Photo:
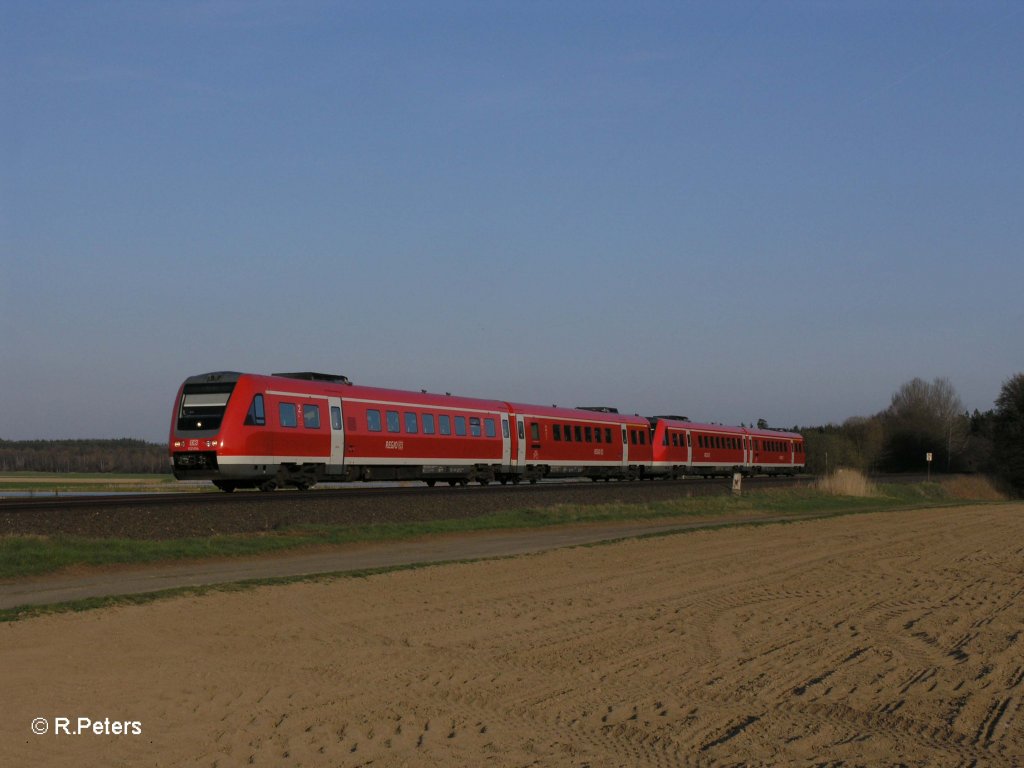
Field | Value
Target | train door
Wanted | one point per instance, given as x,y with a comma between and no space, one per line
337,461
625,448
521,434
506,442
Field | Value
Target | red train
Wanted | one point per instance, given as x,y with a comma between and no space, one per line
243,430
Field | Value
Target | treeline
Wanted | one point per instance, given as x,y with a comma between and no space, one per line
928,417
120,456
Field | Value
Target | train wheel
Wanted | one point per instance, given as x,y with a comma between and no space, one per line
268,485
225,485
430,483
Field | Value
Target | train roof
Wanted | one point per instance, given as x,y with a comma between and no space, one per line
724,428
334,378
602,415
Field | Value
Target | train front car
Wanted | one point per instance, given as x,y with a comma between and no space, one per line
243,430
199,413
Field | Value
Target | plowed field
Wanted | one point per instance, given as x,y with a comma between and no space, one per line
874,639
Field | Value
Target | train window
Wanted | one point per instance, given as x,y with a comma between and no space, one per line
535,432
588,434
688,443
335,417
412,423
568,433
504,428
597,434
445,424
428,423
256,417
394,423
489,428
579,433
460,426
556,432
623,435
289,414
608,434
311,416
474,426
373,420
664,439
675,440
522,434
632,436
643,438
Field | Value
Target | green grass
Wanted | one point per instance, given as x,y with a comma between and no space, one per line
34,555
99,482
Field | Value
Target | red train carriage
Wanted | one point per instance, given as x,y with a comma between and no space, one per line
683,447
719,450
245,430
598,443
776,452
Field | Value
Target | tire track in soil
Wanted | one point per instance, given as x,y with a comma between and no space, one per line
876,639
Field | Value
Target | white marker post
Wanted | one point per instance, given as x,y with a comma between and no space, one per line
928,458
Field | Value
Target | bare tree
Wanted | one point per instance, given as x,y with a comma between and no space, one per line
925,418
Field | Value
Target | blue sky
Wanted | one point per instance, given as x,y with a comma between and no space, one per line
733,211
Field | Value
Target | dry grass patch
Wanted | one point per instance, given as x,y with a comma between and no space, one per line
972,488
847,482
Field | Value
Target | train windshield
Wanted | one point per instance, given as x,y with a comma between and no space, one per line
203,405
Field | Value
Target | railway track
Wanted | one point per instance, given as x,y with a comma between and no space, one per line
166,516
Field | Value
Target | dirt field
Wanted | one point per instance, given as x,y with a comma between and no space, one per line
867,640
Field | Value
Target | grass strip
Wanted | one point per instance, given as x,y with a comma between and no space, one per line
22,556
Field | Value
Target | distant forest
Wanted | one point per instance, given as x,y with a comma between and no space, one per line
120,456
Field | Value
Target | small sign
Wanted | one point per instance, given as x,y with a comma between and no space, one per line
928,457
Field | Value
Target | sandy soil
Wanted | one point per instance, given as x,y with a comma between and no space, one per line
867,640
